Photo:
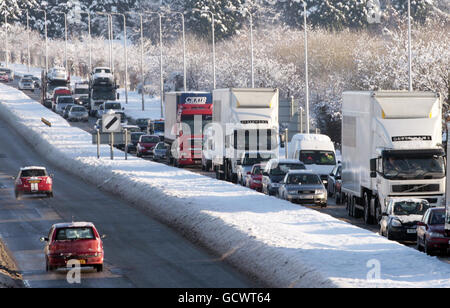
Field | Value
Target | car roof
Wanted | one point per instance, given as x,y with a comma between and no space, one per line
285,160
73,225
408,200
32,168
301,172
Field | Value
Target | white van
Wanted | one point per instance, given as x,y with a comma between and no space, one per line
316,152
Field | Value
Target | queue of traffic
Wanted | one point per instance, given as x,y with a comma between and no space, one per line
392,169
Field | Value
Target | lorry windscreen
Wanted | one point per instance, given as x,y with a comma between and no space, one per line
103,94
413,167
318,158
190,120
158,127
253,159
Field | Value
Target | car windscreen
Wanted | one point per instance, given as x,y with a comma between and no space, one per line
161,146
251,159
26,80
150,139
257,170
317,157
142,121
81,91
33,173
304,179
70,234
65,100
113,106
405,208
283,168
135,137
78,109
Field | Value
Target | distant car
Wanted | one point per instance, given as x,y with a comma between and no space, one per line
142,123
4,77
275,171
84,101
26,83
160,152
58,74
57,92
134,141
399,222
8,72
33,181
78,113
246,162
254,179
66,110
431,234
79,241
146,144
335,184
62,102
303,187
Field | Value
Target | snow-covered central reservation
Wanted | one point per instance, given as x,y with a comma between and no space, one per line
282,244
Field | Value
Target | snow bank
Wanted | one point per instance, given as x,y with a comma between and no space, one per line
280,243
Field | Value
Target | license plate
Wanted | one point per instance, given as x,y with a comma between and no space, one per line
82,262
411,231
308,196
34,182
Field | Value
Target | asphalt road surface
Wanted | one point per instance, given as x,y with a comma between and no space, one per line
139,251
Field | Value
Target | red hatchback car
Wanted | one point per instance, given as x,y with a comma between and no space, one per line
78,241
146,144
431,234
33,181
254,178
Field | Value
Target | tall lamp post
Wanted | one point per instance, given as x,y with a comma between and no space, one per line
410,86
125,51
160,60
184,47
306,68
65,39
109,37
90,38
6,40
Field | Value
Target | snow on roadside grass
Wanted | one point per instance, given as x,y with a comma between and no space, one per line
283,244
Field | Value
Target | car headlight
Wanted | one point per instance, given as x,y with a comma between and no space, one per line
320,191
396,223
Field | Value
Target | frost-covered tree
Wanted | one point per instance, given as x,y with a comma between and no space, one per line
15,8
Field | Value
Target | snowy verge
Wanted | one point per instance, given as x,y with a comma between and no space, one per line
280,243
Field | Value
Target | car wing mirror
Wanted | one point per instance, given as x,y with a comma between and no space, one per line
103,236
52,175
43,239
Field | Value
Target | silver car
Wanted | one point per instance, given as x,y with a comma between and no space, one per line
78,113
26,83
303,187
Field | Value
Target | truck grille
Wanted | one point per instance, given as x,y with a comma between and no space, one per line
415,188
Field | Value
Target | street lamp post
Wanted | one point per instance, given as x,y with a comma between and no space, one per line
306,68
160,60
28,41
125,51
6,40
251,44
90,39
410,86
65,39
184,48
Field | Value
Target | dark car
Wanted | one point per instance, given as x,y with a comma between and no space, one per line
399,222
134,141
431,234
275,171
142,123
335,183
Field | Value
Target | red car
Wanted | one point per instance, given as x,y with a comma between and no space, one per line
78,241
431,234
146,144
4,77
254,178
33,181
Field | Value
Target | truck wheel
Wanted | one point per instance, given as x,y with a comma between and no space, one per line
377,210
367,216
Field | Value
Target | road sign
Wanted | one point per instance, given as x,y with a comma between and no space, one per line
111,123
119,138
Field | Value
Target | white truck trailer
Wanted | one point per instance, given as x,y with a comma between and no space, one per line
391,147
244,120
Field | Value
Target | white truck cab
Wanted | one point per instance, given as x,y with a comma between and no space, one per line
316,152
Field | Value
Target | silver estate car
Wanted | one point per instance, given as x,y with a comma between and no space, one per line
303,187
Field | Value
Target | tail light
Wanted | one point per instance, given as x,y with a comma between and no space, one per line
19,182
